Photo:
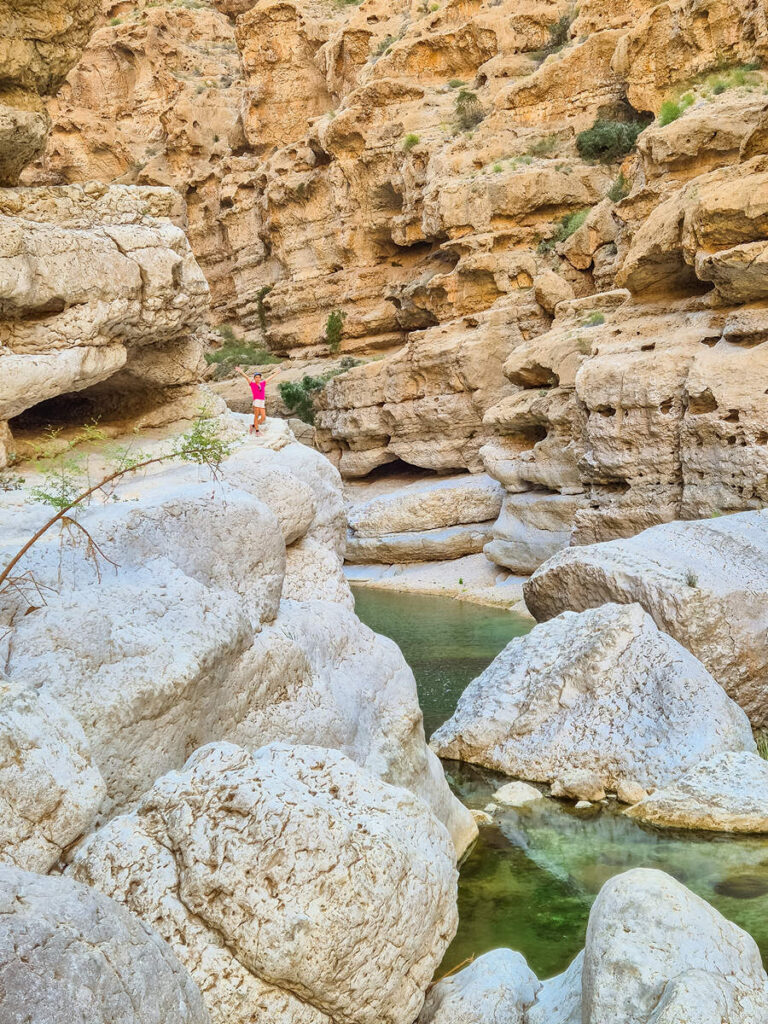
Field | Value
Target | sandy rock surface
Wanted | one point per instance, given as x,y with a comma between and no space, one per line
305,844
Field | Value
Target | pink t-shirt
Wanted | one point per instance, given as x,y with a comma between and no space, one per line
258,388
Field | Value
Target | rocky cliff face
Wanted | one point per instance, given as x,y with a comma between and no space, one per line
101,300
584,319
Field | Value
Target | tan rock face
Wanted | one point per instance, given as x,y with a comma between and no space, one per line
101,298
417,171
40,42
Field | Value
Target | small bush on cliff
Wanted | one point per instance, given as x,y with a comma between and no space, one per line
236,352
761,739
469,111
608,141
672,109
384,45
300,395
619,189
410,140
564,228
334,328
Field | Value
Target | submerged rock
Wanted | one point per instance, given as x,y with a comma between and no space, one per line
603,693
516,794
291,883
704,583
69,954
724,793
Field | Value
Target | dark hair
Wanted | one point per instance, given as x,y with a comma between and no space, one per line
258,375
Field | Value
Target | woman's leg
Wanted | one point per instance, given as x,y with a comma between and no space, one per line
255,427
262,416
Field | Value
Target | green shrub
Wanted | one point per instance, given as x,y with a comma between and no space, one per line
670,111
334,328
497,168
115,21
469,111
410,140
261,311
570,223
691,579
542,147
719,87
384,45
236,352
558,31
456,83
299,396
761,739
619,189
608,141
593,320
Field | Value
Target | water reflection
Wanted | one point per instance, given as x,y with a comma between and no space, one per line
531,878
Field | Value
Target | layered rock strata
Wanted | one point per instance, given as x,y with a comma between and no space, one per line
424,521
592,321
101,300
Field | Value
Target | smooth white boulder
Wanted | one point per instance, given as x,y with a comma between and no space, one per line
419,545
69,954
654,954
50,789
645,931
516,794
705,583
602,692
497,988
724,793
322,883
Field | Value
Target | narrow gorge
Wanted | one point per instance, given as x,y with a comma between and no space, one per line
440,694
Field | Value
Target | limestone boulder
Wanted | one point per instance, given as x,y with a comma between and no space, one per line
655,954
50,789
68,953
331,896
727,792
592,701
497,988
173,644
645,931
702,583
532,527
420,546
445,502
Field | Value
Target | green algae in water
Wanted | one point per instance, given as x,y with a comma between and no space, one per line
446,642
530,880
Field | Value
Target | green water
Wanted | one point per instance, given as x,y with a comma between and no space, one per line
530,879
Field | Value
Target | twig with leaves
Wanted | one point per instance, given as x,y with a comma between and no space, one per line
65,491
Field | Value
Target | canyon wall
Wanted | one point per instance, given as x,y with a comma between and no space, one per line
583,319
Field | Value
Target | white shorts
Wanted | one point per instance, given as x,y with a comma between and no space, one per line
259,403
